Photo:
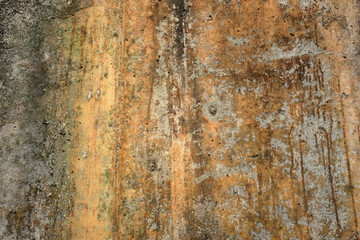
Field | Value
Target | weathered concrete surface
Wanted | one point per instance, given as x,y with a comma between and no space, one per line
179,119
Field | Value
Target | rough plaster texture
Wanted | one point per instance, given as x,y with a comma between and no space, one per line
179,119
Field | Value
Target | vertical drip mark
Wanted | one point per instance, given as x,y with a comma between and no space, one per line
259,200
72,40
115,161
316,142
323,154
319,147
115,187
119,135
348,162
155,201
293,192
96,169
358,132
319,75
179,139
274,198
81,76
333,198
318,108
308,78
89,170
180,13
306,208
69,65
82,44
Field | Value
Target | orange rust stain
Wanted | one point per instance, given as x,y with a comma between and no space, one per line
213,120
92,149
178,190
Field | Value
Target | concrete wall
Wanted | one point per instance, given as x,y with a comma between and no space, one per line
179,119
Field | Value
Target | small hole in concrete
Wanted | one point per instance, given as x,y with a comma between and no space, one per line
212,110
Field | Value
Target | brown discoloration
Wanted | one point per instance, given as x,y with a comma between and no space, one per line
209,99
92,48
208,119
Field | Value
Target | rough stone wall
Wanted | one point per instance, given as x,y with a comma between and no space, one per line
179,119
